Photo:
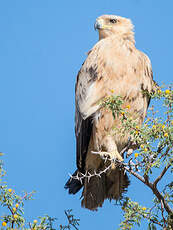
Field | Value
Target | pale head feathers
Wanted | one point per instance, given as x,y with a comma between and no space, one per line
112,25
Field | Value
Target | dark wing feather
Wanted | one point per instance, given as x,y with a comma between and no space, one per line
83,135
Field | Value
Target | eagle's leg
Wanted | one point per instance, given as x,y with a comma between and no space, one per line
111,152
111,148
112,156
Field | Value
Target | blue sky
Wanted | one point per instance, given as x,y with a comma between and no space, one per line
42,46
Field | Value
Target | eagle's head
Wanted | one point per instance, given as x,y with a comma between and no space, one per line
108,25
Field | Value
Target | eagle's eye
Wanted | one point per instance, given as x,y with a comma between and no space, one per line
113,20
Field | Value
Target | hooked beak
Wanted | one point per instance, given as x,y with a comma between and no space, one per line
99,24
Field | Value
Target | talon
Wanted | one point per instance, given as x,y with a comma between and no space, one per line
115,155
112,156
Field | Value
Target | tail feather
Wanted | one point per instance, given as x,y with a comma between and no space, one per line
94,192
111,185
116,184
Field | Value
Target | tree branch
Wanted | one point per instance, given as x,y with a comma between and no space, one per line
139,177
161,175
161,199
146,181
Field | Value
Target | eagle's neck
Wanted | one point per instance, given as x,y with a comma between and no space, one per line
128,36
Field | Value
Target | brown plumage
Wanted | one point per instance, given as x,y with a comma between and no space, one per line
113,64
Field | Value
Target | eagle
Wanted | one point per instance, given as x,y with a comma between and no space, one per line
112,65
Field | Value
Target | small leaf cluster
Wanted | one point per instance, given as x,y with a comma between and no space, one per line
133,214
13,206
113,103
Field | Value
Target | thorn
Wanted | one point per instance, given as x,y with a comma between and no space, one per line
95,152
70,175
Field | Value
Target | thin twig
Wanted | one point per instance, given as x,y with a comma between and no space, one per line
135,174
166,152
156,222
152,220
162,208
88,175
69,220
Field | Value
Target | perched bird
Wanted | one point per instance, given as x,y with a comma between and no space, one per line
113,64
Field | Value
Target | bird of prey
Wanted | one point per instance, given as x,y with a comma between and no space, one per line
113,64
